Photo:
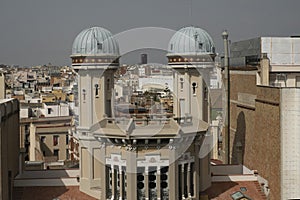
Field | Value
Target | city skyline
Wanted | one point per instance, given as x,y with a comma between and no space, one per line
41,32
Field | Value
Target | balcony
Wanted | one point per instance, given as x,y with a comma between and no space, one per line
148,125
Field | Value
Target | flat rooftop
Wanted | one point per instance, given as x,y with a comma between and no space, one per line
160,127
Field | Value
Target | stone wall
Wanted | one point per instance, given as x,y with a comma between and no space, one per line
255,128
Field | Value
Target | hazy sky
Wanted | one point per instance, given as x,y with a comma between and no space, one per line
35,32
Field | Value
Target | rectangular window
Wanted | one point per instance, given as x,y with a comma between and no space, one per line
49,111
179,181
56,153
124,185
140,178
108,179
67,139
192,179
115,180
164,188
297,81
55,140
99,46
43,139
67,154
185,175
181,84
200,45
152,185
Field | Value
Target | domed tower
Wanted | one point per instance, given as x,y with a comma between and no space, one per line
147,156
95,57
191,53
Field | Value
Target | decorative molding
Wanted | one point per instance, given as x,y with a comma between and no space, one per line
186,158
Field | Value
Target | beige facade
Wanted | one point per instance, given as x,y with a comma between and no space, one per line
147,156
137,159
46,139
48,98
9,145
140,165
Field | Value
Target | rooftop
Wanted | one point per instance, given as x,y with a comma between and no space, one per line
50,193
149,126
225,190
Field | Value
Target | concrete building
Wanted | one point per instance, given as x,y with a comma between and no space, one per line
264,124
46,140
9,146
278,59
143,157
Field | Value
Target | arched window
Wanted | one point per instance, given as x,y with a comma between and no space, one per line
181,83
194,85
96,90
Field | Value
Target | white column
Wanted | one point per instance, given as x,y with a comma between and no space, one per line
113,182
188,91
182,181
158,182
146,176
121,182
189,180
32,139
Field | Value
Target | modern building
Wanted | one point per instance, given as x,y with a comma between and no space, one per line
264,110
9,145
143,157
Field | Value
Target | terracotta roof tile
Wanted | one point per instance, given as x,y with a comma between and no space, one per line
49,193
223,190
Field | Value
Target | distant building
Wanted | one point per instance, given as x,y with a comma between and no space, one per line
277,59
2,86
47,134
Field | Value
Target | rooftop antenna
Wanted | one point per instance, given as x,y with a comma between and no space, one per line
98,43
191,12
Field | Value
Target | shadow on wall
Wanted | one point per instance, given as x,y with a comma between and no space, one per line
238,147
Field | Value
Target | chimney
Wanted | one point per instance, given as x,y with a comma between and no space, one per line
143,58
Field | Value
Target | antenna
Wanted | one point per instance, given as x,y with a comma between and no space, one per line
99,45
191,11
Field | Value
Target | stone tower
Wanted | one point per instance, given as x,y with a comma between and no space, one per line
191,55
95,57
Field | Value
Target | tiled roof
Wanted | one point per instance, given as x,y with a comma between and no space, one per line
50,193
224,190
